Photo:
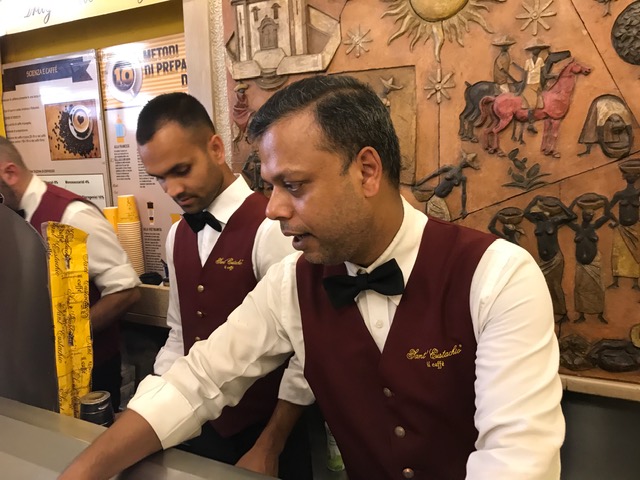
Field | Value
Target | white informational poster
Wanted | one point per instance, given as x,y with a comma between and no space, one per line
90,187
53,115
133,74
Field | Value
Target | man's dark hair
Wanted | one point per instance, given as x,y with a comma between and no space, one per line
349,113
181,108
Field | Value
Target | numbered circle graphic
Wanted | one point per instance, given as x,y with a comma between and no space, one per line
124,78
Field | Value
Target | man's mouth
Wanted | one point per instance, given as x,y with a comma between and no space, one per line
186,201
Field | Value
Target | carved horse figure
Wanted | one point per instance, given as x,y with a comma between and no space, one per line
473,93
471,113
504,108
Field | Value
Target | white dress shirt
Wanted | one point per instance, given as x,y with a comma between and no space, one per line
518,390
270,247
109,267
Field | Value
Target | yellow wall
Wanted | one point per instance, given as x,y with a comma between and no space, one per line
97,32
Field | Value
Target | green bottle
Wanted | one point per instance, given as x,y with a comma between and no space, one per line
334,457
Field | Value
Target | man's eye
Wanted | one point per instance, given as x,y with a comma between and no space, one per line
293,186
183,171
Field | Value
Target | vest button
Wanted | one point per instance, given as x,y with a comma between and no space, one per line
200,288
399,431
197,339
387,392
199,314
408,473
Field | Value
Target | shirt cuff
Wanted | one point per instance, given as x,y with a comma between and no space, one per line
295,389
116,279
166,410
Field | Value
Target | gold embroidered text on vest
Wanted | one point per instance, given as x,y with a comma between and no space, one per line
229,263
434,354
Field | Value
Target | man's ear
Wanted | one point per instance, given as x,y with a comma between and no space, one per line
9,173
370,165
215,146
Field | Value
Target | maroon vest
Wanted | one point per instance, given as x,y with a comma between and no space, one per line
412,405
54,202
209,294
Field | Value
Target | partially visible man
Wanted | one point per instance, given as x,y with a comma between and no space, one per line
430,347
216,256
113,282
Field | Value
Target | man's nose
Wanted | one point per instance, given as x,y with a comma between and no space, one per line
173,187
279,206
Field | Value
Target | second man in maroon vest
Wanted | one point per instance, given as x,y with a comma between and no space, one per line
216,255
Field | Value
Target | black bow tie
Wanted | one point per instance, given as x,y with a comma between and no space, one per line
387,279
21,212
197,221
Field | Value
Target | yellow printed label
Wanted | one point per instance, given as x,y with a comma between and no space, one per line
69,284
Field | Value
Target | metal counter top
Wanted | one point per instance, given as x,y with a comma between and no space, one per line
36,443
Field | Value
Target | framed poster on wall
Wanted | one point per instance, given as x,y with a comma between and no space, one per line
53,115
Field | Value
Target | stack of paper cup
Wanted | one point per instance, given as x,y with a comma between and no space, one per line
130,231
112,215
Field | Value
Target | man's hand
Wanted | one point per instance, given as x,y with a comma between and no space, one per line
127,441
260,460
263,456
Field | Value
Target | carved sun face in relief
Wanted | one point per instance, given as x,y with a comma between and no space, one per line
425,19
435,10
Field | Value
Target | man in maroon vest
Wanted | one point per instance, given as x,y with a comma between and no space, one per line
216,255
113,282
429,347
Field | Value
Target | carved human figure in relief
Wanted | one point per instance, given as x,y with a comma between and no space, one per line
241,114
548,214
625,253
452,176
588,286
502,64
533,66
510,219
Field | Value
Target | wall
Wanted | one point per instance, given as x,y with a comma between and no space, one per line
432,63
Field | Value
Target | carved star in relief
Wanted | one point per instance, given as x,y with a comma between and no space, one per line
357,41
535,15
388,84
438,86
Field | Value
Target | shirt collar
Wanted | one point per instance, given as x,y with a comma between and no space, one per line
229,200
32,196
404,246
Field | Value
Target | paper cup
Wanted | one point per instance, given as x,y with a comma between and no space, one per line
127,209
112,215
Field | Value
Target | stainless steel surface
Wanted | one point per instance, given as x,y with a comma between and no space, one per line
36,443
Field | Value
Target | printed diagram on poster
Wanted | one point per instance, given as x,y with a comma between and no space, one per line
53,115
132,74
